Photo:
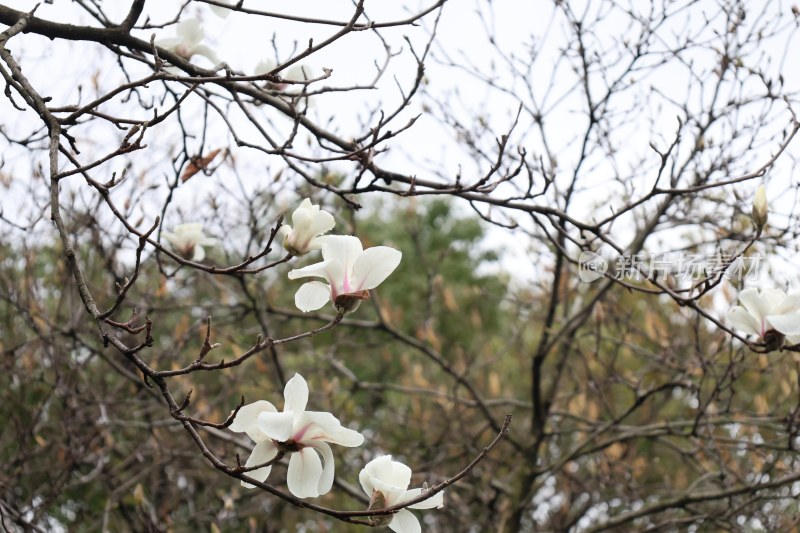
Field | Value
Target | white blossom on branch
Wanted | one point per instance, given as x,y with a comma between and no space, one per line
188,240
302,434
386,483
187,41
767,311
350,271
309,223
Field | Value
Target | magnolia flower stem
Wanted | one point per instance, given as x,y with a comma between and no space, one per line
244,469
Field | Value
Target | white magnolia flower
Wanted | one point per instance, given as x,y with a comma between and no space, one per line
386,483
303,434
188,240
309,223
350,270
186,43
770,309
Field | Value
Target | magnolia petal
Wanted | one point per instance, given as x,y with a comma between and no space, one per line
263,452
264,67
742,320
314,244
312,296
190,32
207,52
343,249
392,494
373,469
396,474
366,482
246,420
788,324
760,304
322,222
373,266
789,304
309,222
305,472
189,228
751,301
295,394
276,426
199,253
319,270
284,232
171,238
302,217
404,521
207,241
792,339
331,270
305,205
169,43
435,501
328,468
326,427
773,296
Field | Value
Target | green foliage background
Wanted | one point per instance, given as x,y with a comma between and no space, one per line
646,398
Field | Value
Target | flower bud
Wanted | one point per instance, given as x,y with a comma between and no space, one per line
760,212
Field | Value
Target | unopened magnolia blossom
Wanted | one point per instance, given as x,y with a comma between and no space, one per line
760,212
386,483
303,434
350,271
767,310
309,223
188,240
186,43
